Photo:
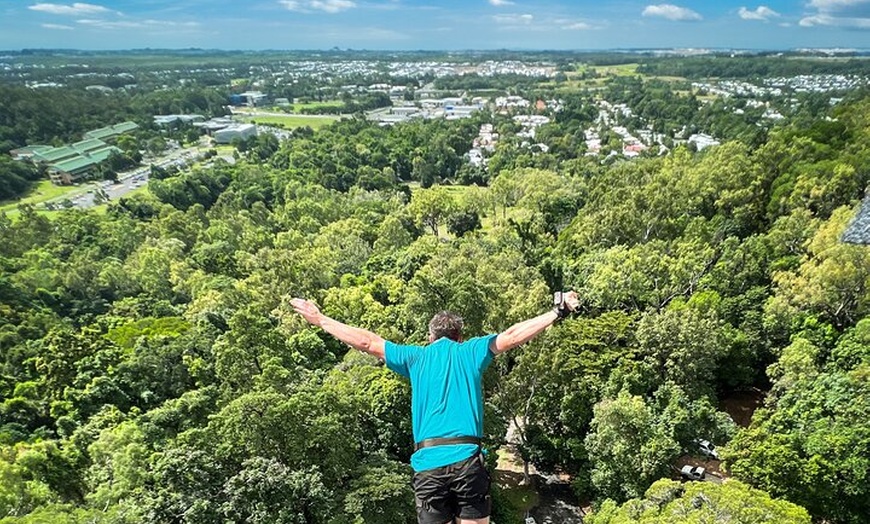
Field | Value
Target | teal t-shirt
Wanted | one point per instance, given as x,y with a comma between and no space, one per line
446,394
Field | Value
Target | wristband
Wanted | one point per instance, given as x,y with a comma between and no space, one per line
561,312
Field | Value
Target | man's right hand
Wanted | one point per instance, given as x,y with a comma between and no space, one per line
522,332
308,310
571,300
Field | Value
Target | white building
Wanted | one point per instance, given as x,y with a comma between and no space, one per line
455,112
254,98
230,133
504,102
404,110
703,141
164,120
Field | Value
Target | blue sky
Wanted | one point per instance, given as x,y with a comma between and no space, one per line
433,24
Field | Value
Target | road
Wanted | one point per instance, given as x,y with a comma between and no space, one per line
127,181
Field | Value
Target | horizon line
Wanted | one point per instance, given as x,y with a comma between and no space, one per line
337,49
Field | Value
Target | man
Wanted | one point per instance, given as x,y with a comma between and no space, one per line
450,480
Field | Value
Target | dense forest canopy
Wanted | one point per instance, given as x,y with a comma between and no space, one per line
152,369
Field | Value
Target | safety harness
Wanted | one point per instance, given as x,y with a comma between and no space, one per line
431,442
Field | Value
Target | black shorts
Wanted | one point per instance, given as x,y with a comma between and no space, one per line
456,490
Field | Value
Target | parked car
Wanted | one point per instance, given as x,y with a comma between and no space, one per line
707,448
690,472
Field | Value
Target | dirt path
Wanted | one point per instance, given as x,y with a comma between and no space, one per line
742,404
557,503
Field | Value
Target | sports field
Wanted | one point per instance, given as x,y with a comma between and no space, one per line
291,121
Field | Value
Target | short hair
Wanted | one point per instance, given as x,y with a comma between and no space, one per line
446,324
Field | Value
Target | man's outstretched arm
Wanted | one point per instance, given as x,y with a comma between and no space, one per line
522,332
357,338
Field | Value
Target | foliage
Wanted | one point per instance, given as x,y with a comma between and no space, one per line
151,369
627,446
668,501
807,444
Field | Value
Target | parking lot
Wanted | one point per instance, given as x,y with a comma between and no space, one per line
94,193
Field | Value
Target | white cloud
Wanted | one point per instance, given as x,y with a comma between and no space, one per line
58,26
579,26
328,6
835,21
852,14
762,13
836,5
130,24
76,9
672,12
513,19
500,3
332,6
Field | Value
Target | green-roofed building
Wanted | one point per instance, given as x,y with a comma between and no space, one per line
27,152
70,163
108,132
55,154
87,154
88,145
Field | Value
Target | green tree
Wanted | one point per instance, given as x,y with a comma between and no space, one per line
431,207
832,280
119,466
807,444
628,447
667,501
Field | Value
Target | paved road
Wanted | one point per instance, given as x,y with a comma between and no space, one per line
127,180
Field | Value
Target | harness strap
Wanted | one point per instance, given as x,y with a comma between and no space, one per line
430,442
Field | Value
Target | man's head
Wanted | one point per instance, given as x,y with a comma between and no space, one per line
445,324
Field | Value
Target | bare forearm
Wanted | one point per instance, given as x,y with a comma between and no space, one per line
524,331
358,338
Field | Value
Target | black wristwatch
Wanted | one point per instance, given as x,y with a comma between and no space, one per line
560,308
561,312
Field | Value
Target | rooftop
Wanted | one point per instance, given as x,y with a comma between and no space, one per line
36,148
88,145
85,160
110,131
55,153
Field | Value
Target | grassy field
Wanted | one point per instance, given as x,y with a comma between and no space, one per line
337,105
43,191
53,215
292,121
617,70
333,104
223,150
604,72
11,209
